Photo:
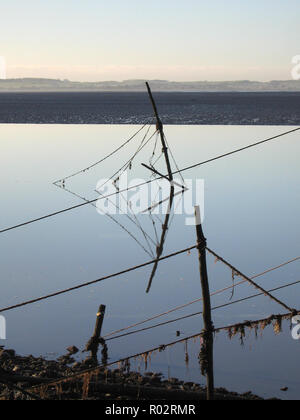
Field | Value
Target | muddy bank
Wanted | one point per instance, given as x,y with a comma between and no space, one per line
23,378
176,108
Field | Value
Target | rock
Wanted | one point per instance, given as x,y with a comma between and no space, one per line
284,389
72,350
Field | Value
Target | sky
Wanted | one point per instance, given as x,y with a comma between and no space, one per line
97,40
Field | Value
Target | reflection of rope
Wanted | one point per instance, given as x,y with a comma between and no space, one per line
103,159
131,235
175,163
199,313
200,299
116,221
154,150
276,268
129,162
152,218
176,208
154,228
182,251
153,164
137,224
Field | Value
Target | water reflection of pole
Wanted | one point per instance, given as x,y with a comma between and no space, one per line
206,354
159,127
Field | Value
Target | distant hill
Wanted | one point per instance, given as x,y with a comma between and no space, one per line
55,85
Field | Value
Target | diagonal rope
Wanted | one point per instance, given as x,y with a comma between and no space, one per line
109,276
240,274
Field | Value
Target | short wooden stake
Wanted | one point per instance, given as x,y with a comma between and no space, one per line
95,340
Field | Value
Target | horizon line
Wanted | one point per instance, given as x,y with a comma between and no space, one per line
151,80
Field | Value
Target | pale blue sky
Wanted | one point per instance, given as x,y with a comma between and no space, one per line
168,39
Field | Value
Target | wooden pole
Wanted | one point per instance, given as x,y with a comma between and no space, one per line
165,226
93,344
206,355
159,126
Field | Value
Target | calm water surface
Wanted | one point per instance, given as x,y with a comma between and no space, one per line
251,218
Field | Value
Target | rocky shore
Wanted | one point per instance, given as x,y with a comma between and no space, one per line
20,378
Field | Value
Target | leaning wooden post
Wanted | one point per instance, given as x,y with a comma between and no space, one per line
159,127
95,340
160,247
206,354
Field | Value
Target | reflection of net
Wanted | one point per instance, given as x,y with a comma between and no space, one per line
147,241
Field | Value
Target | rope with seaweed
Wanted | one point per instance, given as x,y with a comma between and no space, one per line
232,330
